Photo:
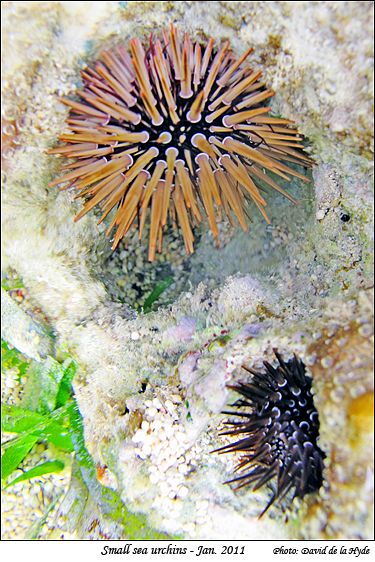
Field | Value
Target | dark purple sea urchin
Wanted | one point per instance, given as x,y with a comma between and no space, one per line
181,129
279,428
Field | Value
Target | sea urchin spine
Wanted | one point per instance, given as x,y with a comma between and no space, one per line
181,129
279,426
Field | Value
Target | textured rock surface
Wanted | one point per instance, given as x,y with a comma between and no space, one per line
151,387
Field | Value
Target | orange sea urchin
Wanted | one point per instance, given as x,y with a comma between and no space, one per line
181,128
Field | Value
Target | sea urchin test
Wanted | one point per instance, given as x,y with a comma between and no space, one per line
180,131
278,427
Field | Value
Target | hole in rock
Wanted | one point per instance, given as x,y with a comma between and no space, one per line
261,251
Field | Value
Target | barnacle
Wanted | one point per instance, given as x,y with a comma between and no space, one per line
180,131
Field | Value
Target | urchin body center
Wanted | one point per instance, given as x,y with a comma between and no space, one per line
180,135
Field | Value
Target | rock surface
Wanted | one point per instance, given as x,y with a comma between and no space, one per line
151,387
